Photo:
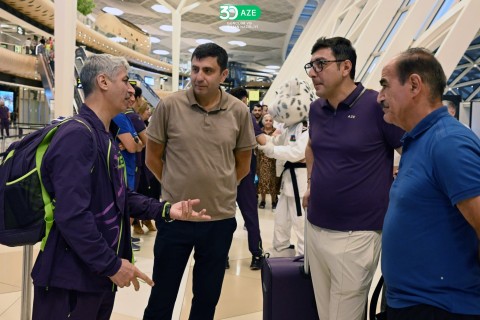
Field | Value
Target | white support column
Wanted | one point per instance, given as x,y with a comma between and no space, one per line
65,34
176,34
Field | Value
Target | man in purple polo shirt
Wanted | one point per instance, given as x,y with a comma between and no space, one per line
350,164
88,251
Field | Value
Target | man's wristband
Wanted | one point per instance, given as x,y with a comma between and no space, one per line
166,212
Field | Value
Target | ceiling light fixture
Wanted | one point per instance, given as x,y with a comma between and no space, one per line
237,43
229,29
272,67
114,11
161,52
203,41
154,40
166,27
160,8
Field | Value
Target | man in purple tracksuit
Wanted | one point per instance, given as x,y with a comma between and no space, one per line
88,252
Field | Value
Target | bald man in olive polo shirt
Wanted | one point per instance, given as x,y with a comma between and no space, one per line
200,144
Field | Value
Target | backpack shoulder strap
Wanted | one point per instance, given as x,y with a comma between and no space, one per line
47,199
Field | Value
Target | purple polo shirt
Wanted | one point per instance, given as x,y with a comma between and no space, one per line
353,158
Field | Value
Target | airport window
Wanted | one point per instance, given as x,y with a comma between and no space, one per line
386,39
446,5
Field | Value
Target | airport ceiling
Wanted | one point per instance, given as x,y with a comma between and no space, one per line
465,79
266,40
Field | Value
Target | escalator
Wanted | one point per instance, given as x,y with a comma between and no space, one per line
152,98
48,79
78,95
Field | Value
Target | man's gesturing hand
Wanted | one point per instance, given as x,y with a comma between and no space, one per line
182,210
127,274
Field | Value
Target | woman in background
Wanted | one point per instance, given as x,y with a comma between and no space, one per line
267,182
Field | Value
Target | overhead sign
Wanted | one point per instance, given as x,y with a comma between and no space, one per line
254,95
239,12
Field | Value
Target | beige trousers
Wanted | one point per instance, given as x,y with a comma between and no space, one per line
342,265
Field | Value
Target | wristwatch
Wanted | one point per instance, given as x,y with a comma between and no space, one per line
166,212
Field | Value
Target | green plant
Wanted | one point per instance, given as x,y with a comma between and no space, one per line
85,6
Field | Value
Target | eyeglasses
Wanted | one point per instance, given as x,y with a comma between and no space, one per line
319,65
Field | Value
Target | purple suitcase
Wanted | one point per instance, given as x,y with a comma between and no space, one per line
287,291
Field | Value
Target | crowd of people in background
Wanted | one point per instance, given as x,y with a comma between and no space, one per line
46,47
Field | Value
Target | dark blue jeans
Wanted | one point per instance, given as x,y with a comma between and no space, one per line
62,304
247,203
173,245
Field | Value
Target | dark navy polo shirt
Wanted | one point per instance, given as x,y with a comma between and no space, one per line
353,159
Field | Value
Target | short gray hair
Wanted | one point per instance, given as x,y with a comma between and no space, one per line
266,116
100,64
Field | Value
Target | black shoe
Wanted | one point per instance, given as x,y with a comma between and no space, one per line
227,264
262,205
257,262
274,205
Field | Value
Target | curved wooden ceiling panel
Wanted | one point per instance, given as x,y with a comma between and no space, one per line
42,11
20,65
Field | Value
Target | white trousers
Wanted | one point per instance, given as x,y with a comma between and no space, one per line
286,218
342,265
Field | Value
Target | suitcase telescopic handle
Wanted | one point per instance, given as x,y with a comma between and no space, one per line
306,267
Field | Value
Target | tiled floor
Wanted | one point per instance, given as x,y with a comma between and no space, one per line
241,297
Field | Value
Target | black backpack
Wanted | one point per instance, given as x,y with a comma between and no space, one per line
26,208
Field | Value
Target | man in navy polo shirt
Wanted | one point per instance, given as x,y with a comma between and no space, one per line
350,169
431,232
88,251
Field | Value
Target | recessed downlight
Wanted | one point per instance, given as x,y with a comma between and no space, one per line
114,11
166,27
154,40
237,43
160,8
161,52
203,41
229,29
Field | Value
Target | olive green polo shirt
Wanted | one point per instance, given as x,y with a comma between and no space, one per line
199,159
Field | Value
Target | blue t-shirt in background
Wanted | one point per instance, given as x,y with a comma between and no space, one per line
125,126
429,251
